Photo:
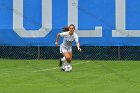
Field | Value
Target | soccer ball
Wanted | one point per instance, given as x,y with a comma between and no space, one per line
68,68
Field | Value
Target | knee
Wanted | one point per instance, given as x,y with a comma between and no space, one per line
68,59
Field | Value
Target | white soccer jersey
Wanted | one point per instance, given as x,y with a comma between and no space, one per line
68,39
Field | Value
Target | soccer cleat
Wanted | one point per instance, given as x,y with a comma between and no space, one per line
60,62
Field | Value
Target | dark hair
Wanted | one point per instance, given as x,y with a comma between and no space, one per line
72,25
65,29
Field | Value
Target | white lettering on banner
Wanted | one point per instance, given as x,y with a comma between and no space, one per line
121,22
73,19
18,20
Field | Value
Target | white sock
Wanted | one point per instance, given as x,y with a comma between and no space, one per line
63,59
65,64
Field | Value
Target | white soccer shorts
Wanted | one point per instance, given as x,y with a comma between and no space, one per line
62,49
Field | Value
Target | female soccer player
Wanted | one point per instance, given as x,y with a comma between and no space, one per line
66,46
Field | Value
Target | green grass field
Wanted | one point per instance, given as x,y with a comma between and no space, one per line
92,76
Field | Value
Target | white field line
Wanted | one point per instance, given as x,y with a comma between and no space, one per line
60,67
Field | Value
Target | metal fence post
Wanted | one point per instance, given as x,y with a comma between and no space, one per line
119,52
38,53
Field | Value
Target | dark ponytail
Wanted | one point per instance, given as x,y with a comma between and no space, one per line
65,29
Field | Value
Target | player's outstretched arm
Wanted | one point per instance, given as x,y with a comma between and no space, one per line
57,39
78,46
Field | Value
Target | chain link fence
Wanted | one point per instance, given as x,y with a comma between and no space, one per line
88,53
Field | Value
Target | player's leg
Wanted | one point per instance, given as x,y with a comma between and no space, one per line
68,59
63,59
67,56
70,53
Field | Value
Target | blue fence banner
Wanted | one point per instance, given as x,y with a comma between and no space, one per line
97,22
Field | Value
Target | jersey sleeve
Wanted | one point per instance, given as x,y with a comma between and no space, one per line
76,38
63,34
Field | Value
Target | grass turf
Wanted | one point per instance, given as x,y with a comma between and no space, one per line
25,76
